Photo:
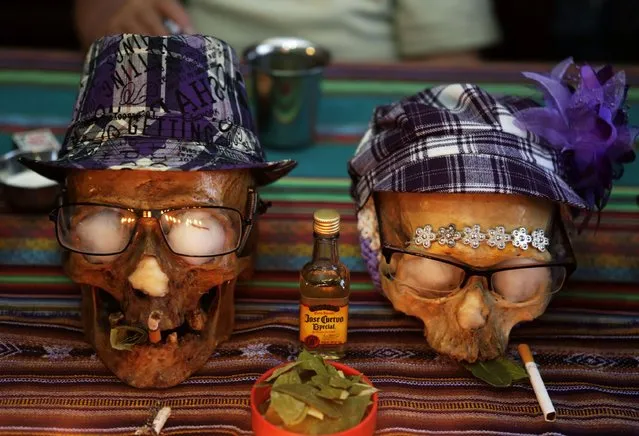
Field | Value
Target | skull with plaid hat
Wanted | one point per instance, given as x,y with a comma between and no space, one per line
463,206
161,166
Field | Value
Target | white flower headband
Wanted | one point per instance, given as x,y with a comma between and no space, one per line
473,236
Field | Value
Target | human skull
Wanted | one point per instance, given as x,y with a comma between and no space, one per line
470,323
190,299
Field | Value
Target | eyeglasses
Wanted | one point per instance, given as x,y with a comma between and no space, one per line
519,280
199,231
433,277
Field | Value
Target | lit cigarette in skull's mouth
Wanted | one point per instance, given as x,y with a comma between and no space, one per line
153,324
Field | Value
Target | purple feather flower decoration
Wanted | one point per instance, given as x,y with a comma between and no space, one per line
585,120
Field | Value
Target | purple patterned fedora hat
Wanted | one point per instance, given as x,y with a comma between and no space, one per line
162,103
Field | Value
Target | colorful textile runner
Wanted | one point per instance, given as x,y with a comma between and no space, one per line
52,383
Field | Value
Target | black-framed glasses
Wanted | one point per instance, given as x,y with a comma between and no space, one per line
195,231
434,277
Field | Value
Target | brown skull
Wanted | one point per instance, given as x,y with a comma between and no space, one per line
193,299
472,323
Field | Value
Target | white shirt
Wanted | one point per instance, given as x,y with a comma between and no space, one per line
353,30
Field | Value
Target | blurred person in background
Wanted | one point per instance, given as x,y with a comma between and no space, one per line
436,31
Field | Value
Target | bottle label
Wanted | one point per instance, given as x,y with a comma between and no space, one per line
323,324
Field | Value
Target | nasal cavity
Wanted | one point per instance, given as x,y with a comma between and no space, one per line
472,313
149,278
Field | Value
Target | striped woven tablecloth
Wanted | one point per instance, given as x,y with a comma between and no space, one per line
586,344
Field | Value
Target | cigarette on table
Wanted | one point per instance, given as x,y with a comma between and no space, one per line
537,383
155,428
160,419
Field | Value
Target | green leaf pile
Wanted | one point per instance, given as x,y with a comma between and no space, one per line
500,372
311,397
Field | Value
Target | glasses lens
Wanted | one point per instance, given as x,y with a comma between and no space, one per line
207,231
521,285
430,278
96,230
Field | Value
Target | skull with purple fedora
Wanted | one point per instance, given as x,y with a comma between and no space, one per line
464,199
160,167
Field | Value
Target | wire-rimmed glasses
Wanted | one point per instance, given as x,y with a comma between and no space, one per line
197,231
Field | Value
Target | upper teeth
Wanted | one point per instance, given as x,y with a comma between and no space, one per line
115,318
196,319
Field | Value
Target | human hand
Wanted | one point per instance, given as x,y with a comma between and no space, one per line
148,16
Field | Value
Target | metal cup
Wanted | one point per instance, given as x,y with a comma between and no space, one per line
285,91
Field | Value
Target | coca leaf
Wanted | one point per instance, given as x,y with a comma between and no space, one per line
340,382
355,378
332,371
308,394
319,380
354,409
289,377
282,370
331,393
498,372
311,362
125,337
517,372
290,410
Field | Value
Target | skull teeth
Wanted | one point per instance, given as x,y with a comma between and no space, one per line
153,323
196,320
115,318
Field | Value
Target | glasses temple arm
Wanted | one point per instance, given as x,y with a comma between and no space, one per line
255,206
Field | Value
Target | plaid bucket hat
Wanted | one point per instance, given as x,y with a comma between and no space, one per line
162,103
458,139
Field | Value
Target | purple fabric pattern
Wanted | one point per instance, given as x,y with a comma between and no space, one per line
585,120
459,139
173,103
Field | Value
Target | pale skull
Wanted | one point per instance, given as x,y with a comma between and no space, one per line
190,299
471,322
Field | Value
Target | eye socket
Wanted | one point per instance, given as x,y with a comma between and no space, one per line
525,284
521,285
429,278
100,231
202,231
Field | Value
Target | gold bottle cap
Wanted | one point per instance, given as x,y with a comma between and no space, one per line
326,221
